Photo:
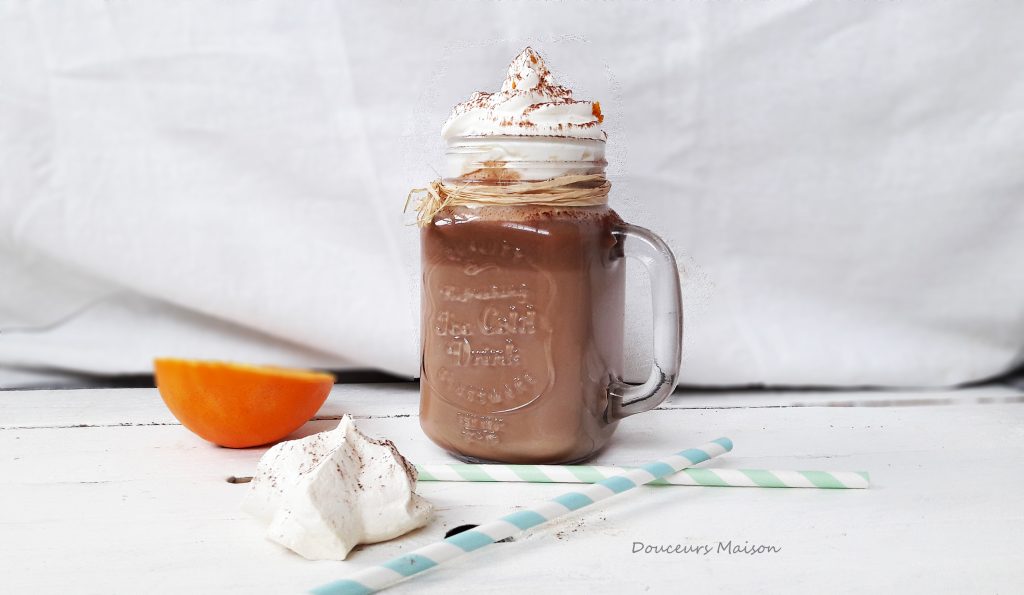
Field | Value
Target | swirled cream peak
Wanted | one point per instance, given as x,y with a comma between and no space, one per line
529,104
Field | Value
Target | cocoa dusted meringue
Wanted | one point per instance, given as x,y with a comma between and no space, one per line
530,121
324,494
529,104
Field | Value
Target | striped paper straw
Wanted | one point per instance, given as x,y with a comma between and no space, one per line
748,478
389,573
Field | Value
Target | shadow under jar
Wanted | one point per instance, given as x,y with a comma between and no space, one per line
522,320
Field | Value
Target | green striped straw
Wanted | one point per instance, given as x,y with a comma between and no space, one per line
379,577
749,478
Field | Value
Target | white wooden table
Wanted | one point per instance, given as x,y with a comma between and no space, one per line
101,491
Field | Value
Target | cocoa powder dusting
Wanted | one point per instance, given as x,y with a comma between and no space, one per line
527,75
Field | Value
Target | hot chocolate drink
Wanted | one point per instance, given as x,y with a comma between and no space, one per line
524,282
522,321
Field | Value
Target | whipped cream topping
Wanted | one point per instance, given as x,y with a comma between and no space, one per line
324,494
529,104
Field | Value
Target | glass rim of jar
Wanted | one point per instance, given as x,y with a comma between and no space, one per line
534,157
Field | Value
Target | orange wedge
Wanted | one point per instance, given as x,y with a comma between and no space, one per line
236,405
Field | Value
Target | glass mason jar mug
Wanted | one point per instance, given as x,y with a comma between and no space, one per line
523,308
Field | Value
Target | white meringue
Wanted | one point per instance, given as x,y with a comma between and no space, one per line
324,494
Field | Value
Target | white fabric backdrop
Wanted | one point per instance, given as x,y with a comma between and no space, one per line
841,181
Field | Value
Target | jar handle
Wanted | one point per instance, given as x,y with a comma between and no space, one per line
628,399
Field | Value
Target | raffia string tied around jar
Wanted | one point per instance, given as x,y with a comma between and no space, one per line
584,190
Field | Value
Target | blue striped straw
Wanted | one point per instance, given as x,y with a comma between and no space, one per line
746,478
375,578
